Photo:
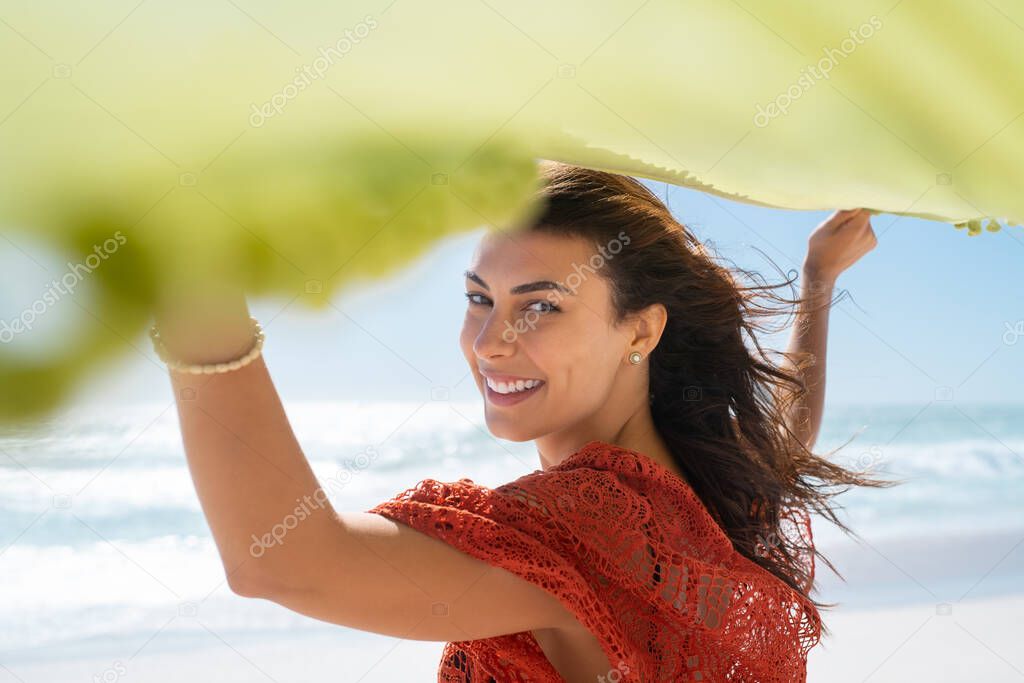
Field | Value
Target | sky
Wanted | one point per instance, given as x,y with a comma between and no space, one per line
929,314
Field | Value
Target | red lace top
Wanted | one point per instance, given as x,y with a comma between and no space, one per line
628,547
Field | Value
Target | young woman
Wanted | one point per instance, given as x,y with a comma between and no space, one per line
666,535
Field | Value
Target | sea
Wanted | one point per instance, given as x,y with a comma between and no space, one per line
104,550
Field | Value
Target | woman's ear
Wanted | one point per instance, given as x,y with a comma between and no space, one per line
648,325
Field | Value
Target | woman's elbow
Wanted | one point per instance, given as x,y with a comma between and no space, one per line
244,585
248,584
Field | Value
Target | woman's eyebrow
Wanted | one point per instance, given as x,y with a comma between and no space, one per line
523,289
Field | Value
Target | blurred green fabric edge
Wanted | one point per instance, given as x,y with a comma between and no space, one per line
301,148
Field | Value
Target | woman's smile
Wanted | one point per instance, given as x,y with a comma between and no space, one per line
509,394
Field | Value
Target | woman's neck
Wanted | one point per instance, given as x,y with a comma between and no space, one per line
637,433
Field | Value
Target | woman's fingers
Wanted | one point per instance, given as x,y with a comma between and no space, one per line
854,219
840,241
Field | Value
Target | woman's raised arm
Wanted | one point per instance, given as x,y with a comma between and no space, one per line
357,569
834,246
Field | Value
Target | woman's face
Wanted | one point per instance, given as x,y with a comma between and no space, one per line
538,309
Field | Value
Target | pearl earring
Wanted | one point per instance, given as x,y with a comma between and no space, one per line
635,357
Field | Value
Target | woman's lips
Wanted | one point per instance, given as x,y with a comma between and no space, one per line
513,398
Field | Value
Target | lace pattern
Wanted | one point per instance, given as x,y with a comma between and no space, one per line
630,550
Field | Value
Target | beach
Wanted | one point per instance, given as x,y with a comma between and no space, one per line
973,640
110,572
924,609
977,640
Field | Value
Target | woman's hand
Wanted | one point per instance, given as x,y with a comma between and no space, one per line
839,242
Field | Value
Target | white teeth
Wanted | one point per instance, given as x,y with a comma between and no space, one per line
512,387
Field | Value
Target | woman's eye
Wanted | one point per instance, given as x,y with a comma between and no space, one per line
550,306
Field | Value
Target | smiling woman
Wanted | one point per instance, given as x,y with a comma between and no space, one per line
665,537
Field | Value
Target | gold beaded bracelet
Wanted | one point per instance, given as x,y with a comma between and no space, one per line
211,368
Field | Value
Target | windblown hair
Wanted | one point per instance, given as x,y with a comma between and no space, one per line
723,407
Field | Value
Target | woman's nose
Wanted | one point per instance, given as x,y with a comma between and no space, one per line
496,337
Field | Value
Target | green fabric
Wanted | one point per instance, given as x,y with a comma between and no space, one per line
298,147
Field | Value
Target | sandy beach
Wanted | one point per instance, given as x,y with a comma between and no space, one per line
931,608
975,640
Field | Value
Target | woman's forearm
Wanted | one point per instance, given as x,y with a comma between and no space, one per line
246,464
809,338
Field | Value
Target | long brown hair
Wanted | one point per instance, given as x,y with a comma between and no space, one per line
719,404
